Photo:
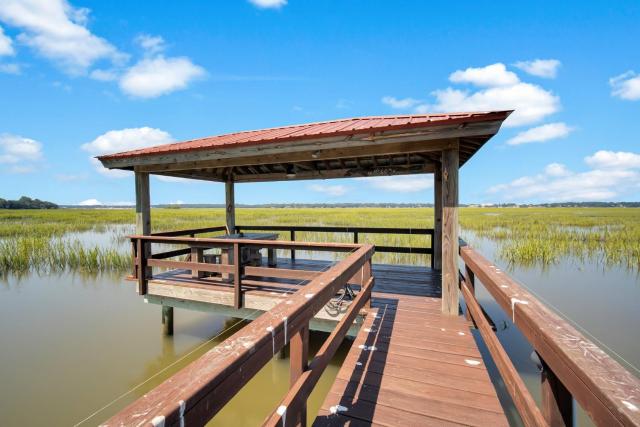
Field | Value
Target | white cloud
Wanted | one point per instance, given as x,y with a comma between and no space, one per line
58,31
330,190
626,86
531,102
268,4
10,68
491,75
556,169
6,44
613,176
90,202
403,103
123,140
547,68
177,202
19,154
400,183
541,133
613,160
500,89
152,77
151,44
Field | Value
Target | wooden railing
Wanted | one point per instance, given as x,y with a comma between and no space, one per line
572,366
355,231
196,393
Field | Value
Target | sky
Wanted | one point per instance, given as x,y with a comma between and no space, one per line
82,78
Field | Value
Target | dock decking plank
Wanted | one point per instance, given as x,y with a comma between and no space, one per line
410,365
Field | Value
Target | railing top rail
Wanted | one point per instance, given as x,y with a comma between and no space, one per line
276,244
340,229
189,231
200,389
603,387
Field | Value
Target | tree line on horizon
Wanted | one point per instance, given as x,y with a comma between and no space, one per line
26,203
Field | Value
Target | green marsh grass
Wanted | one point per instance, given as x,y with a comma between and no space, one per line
39,240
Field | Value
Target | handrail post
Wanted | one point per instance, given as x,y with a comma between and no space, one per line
355,237
557,402
470,279
134,258
293,239
366,275
298,363
142,266
237,276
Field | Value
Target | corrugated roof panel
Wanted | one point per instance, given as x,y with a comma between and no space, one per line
311,130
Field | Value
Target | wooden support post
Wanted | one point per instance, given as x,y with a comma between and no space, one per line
469,277
197,255
167,320
143,227
298,363
436,242
366,275
293,239
230,206
355,237
557,402
450,292
237,276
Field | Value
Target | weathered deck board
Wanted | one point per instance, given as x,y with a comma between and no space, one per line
410,365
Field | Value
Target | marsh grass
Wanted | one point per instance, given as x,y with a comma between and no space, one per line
35,240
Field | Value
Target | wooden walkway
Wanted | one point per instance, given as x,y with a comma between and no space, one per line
409,364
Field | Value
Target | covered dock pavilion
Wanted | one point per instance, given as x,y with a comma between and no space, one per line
414,360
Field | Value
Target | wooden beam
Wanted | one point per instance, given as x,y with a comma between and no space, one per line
557,402
337,173
437,218
230,206
450,293
143,225
347,152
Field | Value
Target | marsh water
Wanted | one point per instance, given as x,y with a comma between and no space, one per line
80,347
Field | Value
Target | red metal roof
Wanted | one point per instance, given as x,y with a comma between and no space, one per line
314,130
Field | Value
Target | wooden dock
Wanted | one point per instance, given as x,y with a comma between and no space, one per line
410,362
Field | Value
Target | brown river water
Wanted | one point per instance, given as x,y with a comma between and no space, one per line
77,347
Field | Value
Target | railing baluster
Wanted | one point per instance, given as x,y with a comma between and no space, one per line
134,258
142,248
557,402
293,239
470,278
355,237
237,276
298,363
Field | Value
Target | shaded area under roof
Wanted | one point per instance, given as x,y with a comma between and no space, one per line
364,146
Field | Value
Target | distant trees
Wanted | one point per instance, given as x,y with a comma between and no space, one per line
26,203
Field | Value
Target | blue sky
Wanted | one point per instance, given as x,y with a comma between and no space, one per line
83,78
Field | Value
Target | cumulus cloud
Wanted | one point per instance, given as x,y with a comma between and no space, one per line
329,190
90,202
400,183
151,44
491,75
19,154
497,89
546,68
541,134
613,175
614,160
58,31
402,103
123,140
153,77
626,86
268,4
6,44
10,68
